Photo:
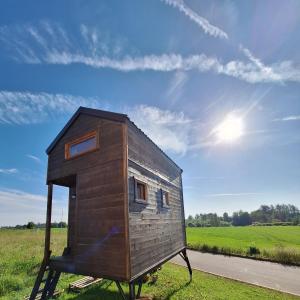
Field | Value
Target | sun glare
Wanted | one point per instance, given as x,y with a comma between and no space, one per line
230,130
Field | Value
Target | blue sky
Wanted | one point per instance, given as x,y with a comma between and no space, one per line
179,69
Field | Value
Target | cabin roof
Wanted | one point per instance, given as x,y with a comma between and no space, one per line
106,115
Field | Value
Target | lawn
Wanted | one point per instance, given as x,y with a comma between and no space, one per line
21,252
278,243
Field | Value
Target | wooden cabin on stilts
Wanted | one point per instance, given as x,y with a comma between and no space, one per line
126,212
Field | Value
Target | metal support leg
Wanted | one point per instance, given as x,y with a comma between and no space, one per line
138,295
185,257
131,291
121,290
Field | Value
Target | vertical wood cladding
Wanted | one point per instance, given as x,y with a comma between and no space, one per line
155,231
98,229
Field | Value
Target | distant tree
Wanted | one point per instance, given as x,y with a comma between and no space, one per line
30,225
226,217
62,225
241,218
271,215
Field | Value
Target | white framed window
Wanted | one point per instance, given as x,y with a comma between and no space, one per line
165,198
140,191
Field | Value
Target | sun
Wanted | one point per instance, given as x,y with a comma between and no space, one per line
230,129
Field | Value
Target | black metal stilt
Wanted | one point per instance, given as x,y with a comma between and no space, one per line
131,291
183,254
121,290
138,295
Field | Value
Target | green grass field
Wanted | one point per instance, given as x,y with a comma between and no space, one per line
21,253
278,243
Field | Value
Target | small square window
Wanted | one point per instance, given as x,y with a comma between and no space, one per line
165,198
140,191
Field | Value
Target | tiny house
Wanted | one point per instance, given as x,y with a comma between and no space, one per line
126,212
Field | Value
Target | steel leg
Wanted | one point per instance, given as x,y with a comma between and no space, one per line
185,257
121,290
131,291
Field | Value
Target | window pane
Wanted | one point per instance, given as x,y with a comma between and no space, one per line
84,146
140,191
165,198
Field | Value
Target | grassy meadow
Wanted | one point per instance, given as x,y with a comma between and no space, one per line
21,253
277,243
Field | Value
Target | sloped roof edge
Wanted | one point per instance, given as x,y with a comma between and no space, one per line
106,115
89,111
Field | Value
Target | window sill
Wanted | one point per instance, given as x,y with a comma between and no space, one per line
141,201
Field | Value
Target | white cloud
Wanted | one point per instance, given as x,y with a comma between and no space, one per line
19,207
169,130
289,118
268,71
49,44
250,72
35,158
8,171
30,108
18,197
231,194
200,21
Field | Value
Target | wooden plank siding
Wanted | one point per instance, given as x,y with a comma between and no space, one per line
98,222
111,235
155,232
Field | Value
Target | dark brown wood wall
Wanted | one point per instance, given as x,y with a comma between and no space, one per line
155,232
100,225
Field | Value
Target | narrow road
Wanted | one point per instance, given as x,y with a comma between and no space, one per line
266,274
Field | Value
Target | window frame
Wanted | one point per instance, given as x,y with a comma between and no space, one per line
137,200
79,140
163,204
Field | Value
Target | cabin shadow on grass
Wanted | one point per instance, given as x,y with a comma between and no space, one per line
107,290
175,290
99,291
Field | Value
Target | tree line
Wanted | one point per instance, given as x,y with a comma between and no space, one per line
32,225
280,214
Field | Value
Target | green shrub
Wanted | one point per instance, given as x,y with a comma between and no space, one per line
253,250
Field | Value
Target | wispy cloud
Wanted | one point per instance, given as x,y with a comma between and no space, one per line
288,118
30,108
177,132
18,197
206,178
19,207
176,86
170,130
231,194
200,21
33,157
8,171
50,44
268,71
